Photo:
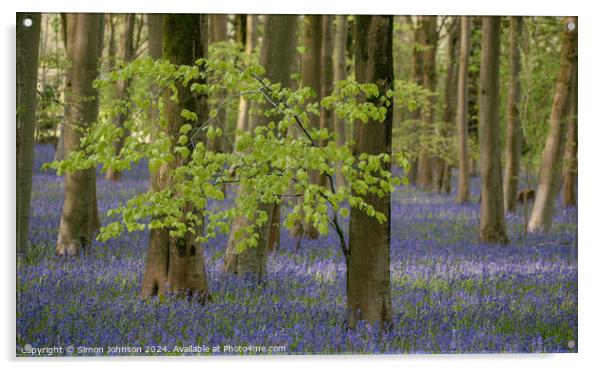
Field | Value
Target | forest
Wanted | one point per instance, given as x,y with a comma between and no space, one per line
247,184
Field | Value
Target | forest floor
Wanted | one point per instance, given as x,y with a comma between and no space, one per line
450,293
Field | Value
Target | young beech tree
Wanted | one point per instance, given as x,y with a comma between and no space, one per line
514,130
272,163
551,164
462,113
277,51
28,38
125,53
79,218
369,281
492,225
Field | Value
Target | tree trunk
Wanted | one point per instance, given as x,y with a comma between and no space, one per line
473,93
219,33
242,120
327,77
79,219
551,165
340,125
442,167
277,53
418,78
240,28
369,282
492,225
425,160
462,113
514,135
28,38
155,35
177,265
569,196
311,77
125,53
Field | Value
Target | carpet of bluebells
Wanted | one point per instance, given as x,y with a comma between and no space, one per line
450,293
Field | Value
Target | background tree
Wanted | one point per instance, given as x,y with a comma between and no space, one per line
176,265
551,165
340,57
514,135
28,39
311,77
462,113
277,52
429,71
442,162
569,172
369,284
492,224
125,53
219,33
79,219
242,120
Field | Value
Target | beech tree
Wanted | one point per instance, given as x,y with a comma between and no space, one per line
429,80
277,53
125,53
368,271
442,162
311,77
462,113
569,172
492,223
79,218
513,125
28,39
340,48
551,164
175,264
242,120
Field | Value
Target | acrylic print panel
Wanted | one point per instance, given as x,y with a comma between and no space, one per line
278,184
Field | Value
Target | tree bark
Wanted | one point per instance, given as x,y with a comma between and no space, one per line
176,265
28,39
492,224
569,196
277,53
340,125
551,165
125,53
79,219
463,195
425,160
368,270
514,135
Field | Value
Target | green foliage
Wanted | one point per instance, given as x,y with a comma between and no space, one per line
271,163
